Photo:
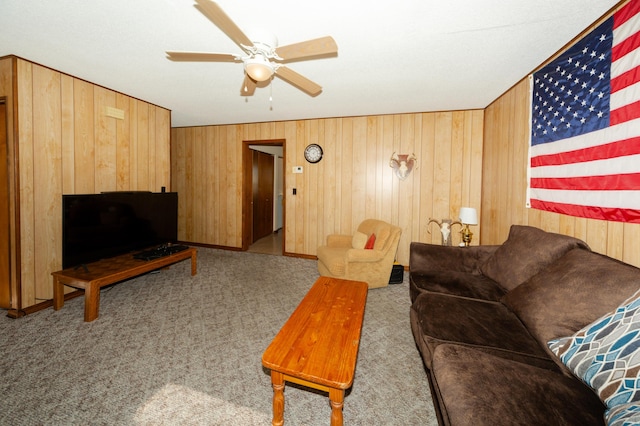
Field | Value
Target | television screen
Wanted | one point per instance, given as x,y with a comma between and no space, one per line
99,226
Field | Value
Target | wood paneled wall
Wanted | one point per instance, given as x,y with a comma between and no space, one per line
505,181
6,91
352,182
66,144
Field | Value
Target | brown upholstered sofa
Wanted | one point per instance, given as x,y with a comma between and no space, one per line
483,318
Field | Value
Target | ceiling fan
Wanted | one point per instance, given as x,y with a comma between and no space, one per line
262,58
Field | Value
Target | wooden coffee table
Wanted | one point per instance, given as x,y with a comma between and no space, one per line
109,271
318,345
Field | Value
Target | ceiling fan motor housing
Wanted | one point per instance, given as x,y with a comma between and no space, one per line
264,40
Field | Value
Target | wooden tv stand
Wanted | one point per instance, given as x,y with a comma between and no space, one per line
109,271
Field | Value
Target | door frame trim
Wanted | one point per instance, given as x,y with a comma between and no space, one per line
7,290
247,188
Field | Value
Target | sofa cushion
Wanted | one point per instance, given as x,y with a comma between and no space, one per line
380,228
571,293
606,354
425,258
455,283
382,236
481,389
490,325
527,251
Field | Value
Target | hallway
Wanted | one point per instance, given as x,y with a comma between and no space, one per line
271,244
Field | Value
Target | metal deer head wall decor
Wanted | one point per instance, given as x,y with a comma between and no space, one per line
402,164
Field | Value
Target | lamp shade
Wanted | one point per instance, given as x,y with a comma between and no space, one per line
468,216
259,68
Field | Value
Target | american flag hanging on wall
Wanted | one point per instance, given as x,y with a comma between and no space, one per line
585,125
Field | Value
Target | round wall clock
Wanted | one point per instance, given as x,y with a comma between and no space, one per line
313,153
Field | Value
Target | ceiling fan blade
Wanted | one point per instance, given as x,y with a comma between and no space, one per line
248,86
316,47
216,15
202,57
299,81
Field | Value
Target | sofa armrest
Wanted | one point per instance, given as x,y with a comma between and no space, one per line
339,240
364,255
425,257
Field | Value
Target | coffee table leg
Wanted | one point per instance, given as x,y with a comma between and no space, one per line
58,294
336,397
277,381
91,302
194,264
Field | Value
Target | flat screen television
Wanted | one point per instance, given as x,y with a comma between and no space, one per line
99,226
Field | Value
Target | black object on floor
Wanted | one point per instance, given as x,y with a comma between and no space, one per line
397,274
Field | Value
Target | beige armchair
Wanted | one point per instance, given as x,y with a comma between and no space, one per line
344,255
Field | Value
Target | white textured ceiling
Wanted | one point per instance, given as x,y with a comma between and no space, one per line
394,57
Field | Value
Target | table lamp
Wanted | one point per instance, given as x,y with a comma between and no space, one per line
468,216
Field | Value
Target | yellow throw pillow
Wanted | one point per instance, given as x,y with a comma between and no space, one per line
359,240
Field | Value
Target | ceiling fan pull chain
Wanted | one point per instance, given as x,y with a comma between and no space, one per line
271,95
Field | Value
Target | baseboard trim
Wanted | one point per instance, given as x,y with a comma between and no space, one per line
19,313
286,253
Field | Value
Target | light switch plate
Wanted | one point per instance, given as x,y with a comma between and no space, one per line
297,169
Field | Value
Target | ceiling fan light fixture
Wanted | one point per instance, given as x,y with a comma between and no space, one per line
259,68
262,57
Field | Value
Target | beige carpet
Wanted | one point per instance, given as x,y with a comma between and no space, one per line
171,349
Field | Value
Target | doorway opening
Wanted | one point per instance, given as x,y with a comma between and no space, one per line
263,201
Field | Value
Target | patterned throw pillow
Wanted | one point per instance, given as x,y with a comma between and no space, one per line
606,354
623,415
